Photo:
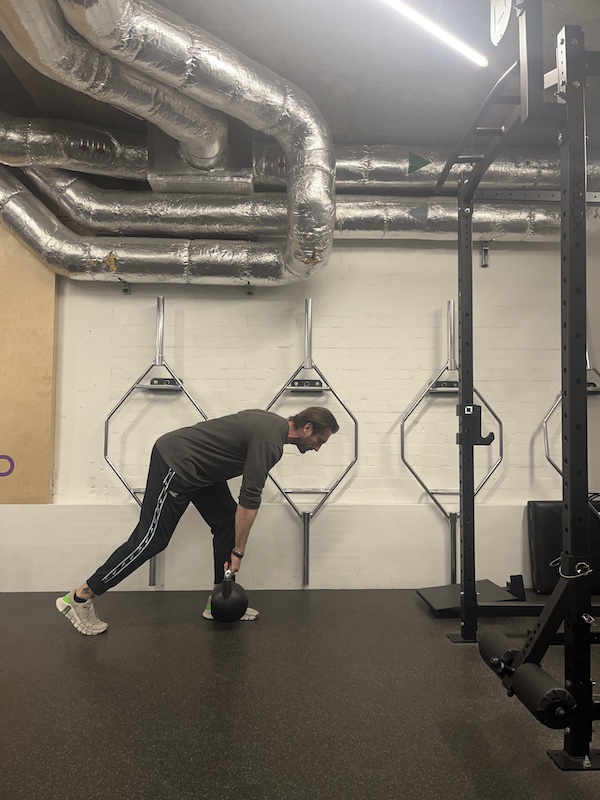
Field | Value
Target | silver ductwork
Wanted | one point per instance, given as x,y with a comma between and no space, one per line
72,145
370,169
106,258
208,72
130,213
169,49
395,168
168,171
38,32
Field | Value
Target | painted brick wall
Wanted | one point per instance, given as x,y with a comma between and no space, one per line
379,335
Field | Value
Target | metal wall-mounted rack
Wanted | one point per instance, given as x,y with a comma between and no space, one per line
311,386
155,384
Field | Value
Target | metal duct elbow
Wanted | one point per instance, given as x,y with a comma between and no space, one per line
37,31
166,47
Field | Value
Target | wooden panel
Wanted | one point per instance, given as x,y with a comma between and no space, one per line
27,362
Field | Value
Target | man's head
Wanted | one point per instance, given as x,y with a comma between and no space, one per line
311,428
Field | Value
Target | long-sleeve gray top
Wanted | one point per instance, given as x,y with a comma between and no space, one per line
248,443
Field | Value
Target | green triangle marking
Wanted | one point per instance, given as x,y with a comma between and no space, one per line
416,162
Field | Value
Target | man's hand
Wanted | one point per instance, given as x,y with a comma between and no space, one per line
236,563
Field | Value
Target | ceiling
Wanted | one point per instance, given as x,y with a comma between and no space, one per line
375,77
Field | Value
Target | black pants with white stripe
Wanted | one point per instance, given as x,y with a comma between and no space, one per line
166,497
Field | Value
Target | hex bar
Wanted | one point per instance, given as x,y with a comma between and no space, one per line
327,491
449,366
159,361
309,364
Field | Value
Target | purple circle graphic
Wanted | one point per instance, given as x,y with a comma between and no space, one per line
11,466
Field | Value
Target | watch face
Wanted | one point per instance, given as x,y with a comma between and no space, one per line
500,11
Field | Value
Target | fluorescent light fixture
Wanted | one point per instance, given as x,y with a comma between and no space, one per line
438,32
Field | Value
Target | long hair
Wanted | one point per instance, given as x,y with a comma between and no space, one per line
320,418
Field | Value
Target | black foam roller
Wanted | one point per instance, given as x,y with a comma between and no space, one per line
495,648
539,692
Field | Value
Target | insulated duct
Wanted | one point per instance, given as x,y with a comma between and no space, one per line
304,152
37,31
72,145
100,258
359,169
414,170
130,213
169,49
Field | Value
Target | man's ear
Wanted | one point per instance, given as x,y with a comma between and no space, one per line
308,428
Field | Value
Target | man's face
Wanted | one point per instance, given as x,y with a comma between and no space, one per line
309,440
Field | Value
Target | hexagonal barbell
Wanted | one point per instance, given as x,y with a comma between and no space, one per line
309,386
437,386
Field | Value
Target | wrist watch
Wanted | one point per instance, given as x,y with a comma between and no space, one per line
236,554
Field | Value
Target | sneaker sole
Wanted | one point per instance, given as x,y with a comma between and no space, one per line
66,610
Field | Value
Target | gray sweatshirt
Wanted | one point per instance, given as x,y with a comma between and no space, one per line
248,443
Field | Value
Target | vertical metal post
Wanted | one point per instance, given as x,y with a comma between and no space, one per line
160,330
306,546
452,520
159,361
453,516
571,63
451,345
467,420
308,362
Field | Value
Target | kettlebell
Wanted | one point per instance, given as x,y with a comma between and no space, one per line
229,600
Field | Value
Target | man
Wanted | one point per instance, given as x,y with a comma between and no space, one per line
193,465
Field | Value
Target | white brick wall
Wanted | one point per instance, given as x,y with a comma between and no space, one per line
379,336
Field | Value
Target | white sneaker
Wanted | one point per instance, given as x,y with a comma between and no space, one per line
251,613
82,615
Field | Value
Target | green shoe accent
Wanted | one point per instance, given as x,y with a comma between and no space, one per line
208,607
66,599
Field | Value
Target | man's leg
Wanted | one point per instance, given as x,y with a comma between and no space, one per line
217,507
165,499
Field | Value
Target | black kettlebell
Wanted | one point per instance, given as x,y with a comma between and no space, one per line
229,600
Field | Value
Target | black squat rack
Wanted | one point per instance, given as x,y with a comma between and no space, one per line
570,705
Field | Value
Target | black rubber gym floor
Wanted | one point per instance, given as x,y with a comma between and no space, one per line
337,695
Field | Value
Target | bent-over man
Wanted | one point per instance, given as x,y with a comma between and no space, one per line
193,465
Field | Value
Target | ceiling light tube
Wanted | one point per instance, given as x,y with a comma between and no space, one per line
438,32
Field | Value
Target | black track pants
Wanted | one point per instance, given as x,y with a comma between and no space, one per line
166,497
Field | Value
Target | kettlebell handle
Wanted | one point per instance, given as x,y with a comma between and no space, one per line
227,581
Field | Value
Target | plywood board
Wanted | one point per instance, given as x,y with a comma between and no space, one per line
27,366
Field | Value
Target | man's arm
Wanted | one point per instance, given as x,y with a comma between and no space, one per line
244,519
